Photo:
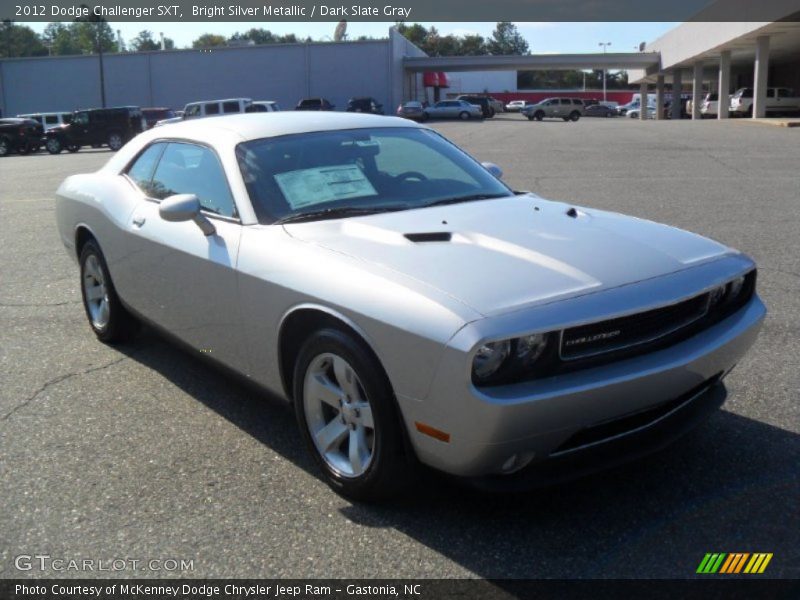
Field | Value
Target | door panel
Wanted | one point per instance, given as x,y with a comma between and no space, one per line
187,281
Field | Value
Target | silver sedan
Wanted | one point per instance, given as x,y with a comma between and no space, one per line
410,305
454,109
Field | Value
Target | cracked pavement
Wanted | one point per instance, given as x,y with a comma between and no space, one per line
143,451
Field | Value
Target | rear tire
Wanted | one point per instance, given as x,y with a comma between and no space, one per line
115,141
574,116
346,412
5,146
53,145
539,116
107,316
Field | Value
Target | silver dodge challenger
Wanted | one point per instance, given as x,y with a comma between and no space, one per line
412,307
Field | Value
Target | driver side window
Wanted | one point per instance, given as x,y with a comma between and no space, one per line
192,169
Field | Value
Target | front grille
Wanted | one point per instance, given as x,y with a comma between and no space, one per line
594,339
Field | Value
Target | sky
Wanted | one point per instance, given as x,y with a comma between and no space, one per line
543,38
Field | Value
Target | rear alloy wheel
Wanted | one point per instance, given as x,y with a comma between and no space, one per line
115,141
346,412
53,145
463,116
574,116
108,318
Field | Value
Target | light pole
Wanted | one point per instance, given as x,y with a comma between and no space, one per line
604,45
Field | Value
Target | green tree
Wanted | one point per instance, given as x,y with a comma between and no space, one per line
145,42
19,40
506,39
473,45
416,33
209,40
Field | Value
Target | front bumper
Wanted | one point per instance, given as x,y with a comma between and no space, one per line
498,430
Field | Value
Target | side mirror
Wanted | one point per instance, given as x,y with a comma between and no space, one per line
493,169
185,207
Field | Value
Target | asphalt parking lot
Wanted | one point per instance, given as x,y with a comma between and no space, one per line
143,451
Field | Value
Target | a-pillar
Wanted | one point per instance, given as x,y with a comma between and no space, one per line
677,86
660,98
697,89
724,88
760,77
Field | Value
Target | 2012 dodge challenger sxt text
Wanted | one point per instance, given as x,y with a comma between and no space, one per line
408,303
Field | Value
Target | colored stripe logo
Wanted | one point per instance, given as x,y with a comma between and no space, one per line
733,563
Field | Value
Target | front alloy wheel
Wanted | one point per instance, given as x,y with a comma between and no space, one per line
338,415
347,414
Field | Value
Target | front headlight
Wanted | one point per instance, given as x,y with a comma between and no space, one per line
489,358
508,360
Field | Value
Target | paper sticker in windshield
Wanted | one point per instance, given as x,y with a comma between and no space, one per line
323,184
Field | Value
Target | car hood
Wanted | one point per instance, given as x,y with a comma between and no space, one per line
505,254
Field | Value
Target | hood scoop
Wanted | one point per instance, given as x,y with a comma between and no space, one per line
433,236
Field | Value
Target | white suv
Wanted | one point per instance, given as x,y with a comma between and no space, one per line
780,100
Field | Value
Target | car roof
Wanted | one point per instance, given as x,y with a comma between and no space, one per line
253,126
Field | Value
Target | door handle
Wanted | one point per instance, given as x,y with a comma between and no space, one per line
138,221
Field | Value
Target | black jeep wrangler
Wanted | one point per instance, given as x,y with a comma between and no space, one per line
20,135
97,127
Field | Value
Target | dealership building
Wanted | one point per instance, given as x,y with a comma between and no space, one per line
700,56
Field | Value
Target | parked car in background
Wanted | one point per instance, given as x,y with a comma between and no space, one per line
599,110
366,104
453,109
780,101
487,110
154,115
20,135
635,112
405,302
314,104
709,106
48,120
263,106
568,109
516,105
413,110
113,127
497,105
208,108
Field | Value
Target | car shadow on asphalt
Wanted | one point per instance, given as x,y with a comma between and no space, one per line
730,485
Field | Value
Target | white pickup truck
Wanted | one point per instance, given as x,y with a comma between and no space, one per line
780,101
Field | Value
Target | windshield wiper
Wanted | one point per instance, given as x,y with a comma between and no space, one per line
337,212
468,198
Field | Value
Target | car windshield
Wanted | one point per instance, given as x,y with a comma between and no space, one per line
357,171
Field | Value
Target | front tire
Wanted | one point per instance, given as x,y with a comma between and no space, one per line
463,116
574,116
539,116
346,412
107,317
